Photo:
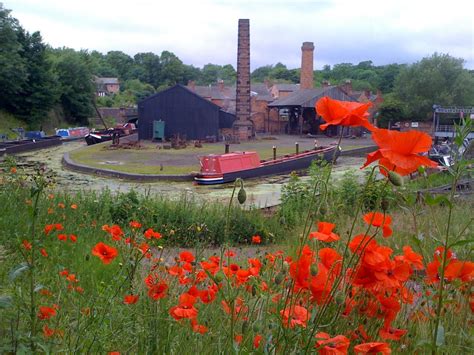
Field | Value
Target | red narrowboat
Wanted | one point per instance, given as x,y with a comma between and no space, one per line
223,168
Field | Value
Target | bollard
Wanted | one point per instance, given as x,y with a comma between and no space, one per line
297,148
274,152
227,145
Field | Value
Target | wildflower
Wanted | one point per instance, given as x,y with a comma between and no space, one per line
46,292
198,328
229,253
44,252
392,333
46,312
343,113
61,205
399,151
130,299
256,341
48,228
372,348
378,219
331,346
324,232
186,256
150,233
185,308
115,231
64,272
71,278
13,170
47,332
73,238
238,338
135,224
256,239
74,206
294,316
158,291
300,269
79,289
145,248
105,252
26,245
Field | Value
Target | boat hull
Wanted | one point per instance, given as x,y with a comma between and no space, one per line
26,145
285,166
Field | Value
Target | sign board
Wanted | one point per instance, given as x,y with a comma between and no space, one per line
454,109
414,125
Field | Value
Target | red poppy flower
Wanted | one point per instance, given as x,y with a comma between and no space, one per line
130,299
326,345
73,238
372,348
343,113
150,233
47,332
297,315
185,308
64,272
198,328
44,252
399,151
26,245
158,291
409,256
324,232
46,312
256,341
62,237
238,338
48,228
186,256
105,252
256,239
392,333
74,206
378,219
135,224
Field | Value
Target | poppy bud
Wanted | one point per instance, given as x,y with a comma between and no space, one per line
219,276
279,278
245,325
286,266
254,290
87,257
242,195
395,178
323,209
339,299
384,204
421,169
314,270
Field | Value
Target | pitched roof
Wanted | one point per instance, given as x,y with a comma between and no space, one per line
105,81
287,87
308,97
229,92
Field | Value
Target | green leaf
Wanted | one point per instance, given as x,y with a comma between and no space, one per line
5,301
440,335
461,242
438,200
18,270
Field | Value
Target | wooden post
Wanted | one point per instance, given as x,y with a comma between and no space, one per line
227,145
274,152
297,148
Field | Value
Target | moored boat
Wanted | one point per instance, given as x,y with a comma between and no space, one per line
223,168
95,137
26,145
72,133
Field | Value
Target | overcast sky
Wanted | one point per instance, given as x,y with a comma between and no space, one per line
205,31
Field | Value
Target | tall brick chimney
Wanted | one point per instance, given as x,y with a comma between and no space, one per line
243,127
306,74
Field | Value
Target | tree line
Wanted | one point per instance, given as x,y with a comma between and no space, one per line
35,78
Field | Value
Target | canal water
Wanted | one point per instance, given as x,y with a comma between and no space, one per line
263,192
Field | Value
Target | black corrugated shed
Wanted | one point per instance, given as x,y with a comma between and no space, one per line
184,113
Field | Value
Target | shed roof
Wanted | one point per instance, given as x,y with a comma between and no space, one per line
308,97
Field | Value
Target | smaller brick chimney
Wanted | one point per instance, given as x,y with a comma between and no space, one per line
306,74
192,85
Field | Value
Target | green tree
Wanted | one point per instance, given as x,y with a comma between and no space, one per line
439,79
172,70
391,110
13,70
260,74
75,85
122,63
147,68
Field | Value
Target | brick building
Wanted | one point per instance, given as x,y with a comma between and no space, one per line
106,86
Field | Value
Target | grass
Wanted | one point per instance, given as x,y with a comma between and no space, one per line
173,161
91,317
8,121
